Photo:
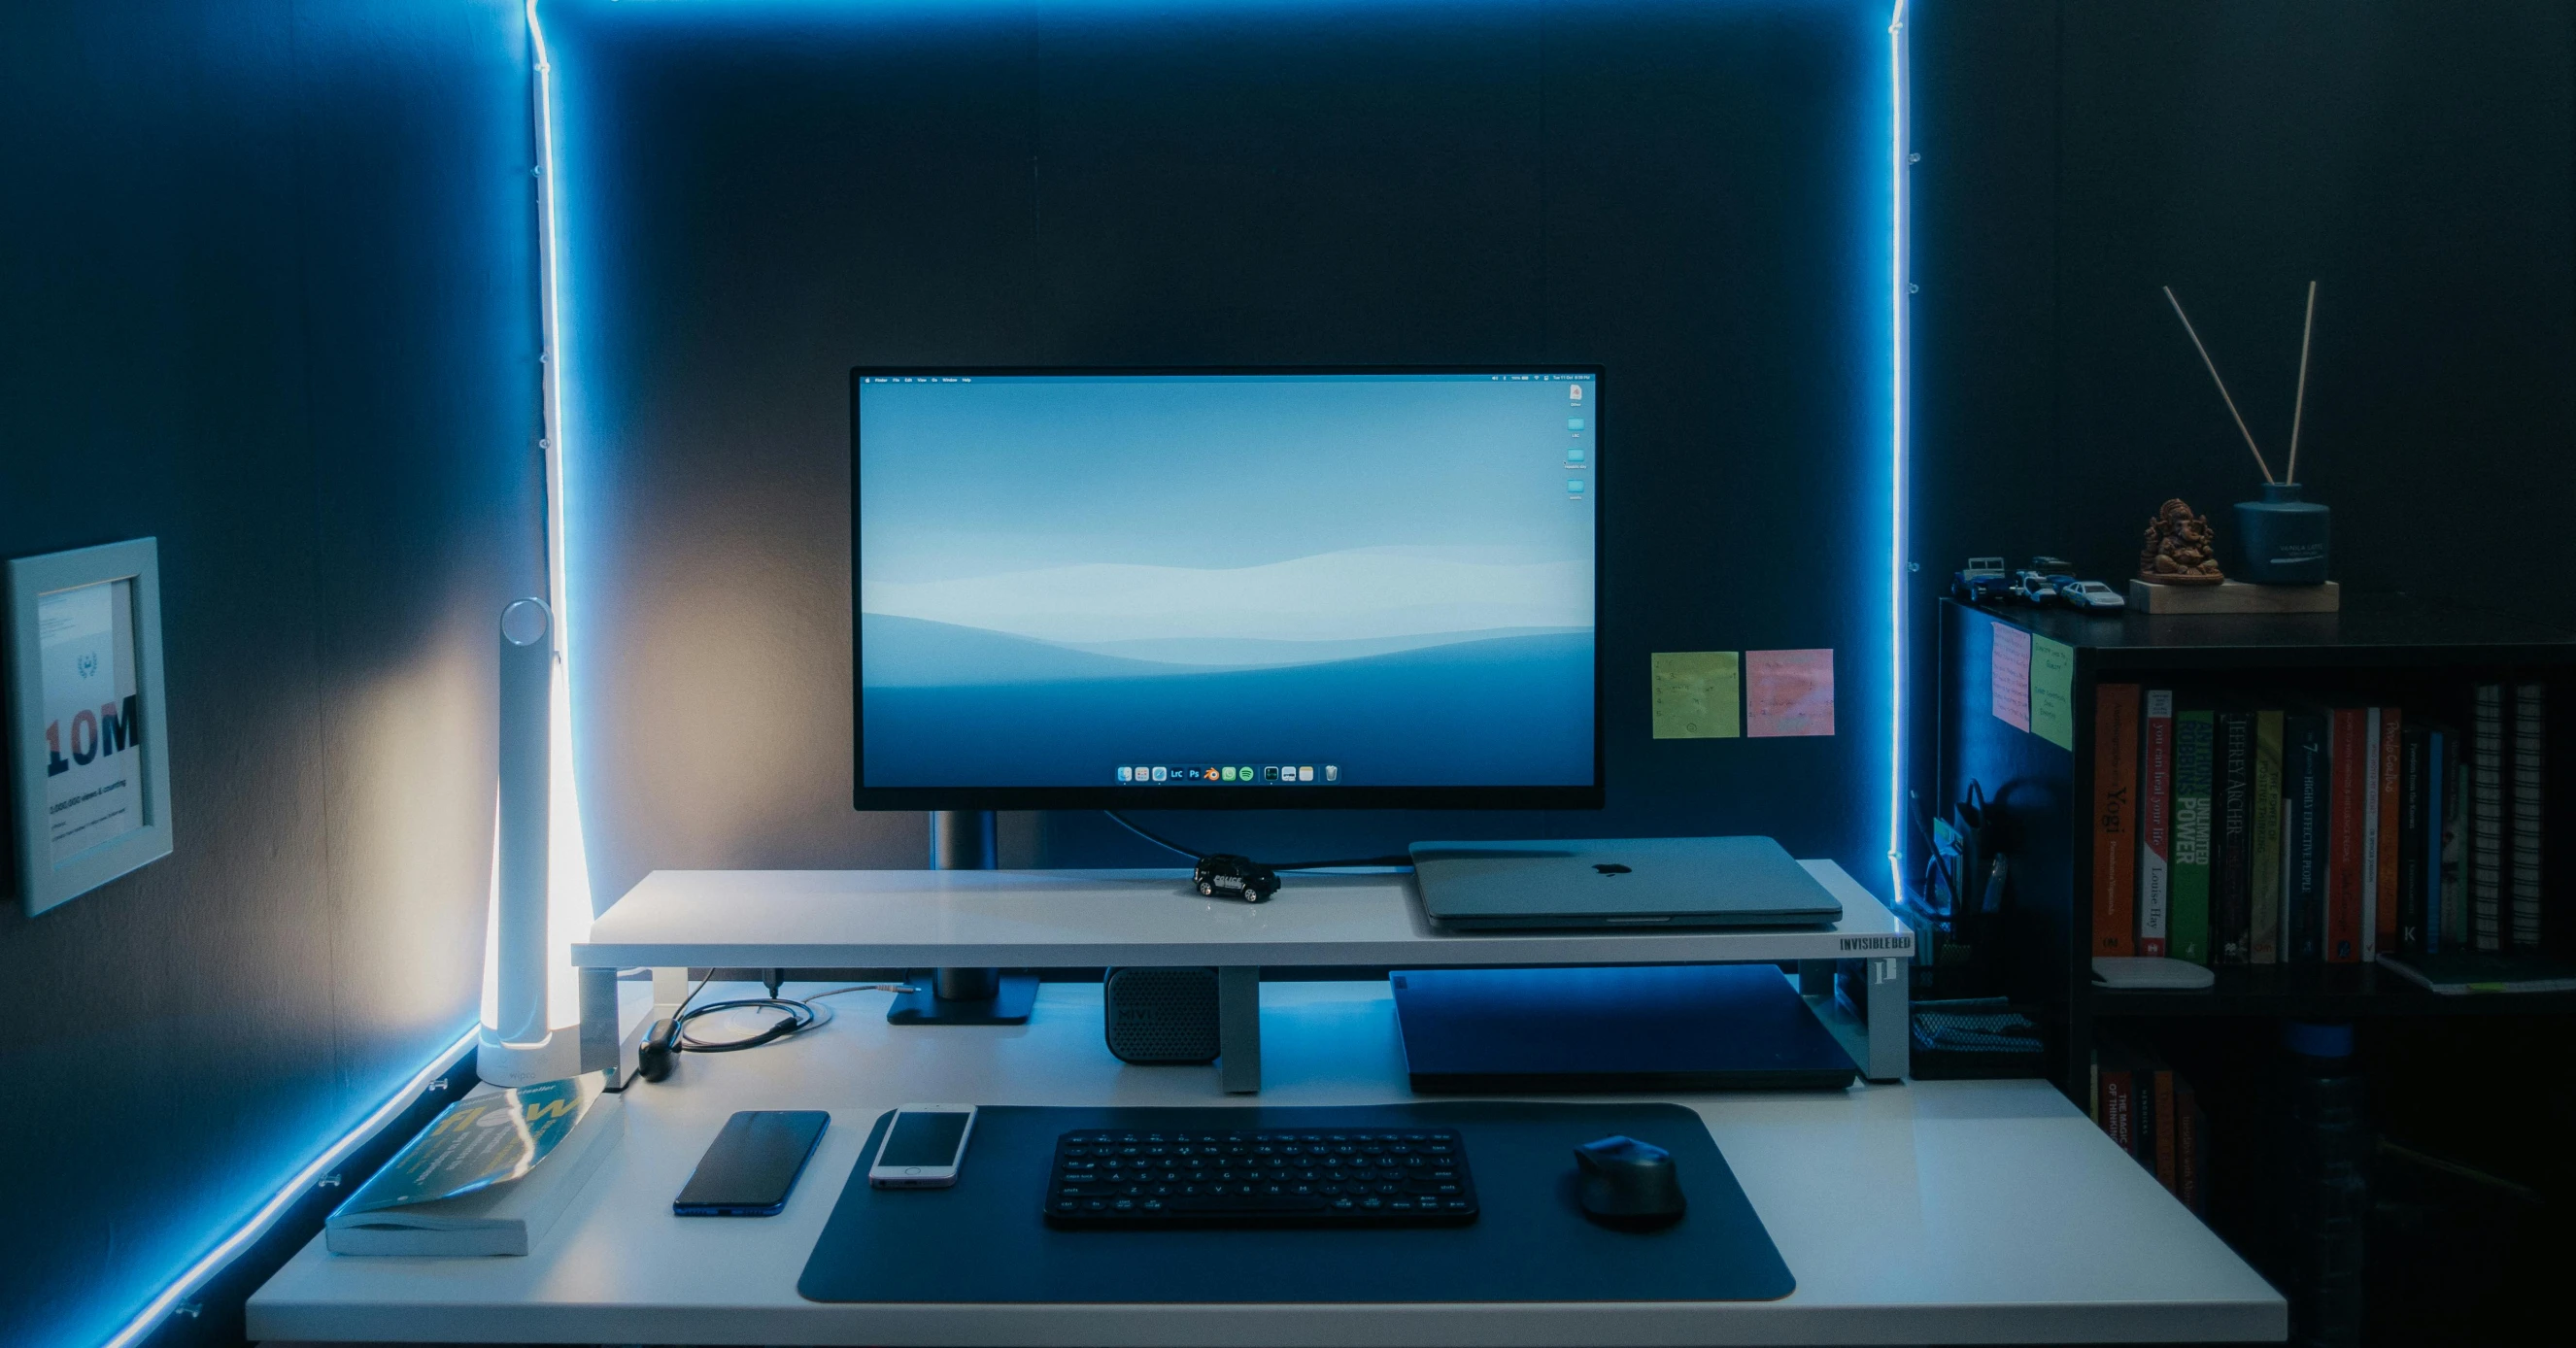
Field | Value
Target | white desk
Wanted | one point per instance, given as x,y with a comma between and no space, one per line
1937,1212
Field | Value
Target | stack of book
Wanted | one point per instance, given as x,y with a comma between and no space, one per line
489,1176
2228,833
2154,1114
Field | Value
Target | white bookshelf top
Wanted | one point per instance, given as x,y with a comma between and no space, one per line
1085,919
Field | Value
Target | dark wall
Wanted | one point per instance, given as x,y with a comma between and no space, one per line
268,272
2416,158
760,196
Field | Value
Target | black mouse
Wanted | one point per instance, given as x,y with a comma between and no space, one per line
1628,1184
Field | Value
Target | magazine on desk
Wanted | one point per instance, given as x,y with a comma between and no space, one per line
487,1177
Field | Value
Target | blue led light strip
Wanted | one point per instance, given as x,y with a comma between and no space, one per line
1899,286
296,1186
549,280
154,1311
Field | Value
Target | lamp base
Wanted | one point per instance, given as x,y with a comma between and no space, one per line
553,1058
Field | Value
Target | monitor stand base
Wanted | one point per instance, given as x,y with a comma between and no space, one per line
962,840
1008,1004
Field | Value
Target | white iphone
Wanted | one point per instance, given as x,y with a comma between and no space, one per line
923,1147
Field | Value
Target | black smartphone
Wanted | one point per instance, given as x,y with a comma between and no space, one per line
753,1164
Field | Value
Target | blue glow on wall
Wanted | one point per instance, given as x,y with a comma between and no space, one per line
1872,673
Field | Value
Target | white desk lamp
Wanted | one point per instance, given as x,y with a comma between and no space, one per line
533,999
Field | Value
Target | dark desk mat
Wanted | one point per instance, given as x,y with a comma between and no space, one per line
985,1240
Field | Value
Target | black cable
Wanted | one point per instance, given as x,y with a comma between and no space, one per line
802,1015
800,1018
1123,822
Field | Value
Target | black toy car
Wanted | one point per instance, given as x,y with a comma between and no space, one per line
1223,876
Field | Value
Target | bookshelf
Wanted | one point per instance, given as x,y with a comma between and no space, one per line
2381,649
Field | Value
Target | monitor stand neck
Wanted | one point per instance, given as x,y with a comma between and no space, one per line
962,840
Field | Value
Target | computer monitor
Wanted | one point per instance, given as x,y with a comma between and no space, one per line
1227,588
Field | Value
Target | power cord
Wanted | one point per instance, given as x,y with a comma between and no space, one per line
801,1014
1167,844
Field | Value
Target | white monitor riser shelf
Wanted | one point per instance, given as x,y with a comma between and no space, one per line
1153,918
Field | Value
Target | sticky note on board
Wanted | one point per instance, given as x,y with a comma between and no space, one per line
2011,676
1696,695
1788,693
2052,692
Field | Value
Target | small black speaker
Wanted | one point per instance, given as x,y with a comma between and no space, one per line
1161,1017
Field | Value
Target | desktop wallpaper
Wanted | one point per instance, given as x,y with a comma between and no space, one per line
1367,580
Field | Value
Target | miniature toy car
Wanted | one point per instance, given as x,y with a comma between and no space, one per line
2092,596
2033,587
1981,581
1224,876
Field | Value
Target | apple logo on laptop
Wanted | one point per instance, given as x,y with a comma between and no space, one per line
1611,868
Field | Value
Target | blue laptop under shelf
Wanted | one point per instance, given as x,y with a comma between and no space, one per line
1613,1029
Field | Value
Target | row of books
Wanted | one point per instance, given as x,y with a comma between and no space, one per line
2153,1113
2238,834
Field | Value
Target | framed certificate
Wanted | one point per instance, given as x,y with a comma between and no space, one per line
88,744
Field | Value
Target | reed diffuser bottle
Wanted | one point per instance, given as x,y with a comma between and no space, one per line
2284,537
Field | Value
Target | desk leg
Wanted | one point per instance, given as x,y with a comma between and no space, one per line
1238,1029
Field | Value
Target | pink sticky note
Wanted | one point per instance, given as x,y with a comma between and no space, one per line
1788,693
2011,678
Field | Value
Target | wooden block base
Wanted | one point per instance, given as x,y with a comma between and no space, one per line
2234,597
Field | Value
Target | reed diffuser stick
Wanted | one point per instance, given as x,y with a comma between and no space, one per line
2299,408
2222,384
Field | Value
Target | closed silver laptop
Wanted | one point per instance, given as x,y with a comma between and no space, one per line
1573,883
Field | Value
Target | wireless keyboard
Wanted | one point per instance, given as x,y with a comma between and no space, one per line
1269,1177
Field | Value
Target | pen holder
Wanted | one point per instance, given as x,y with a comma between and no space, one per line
2284,537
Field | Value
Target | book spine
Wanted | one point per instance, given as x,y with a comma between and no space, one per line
2455,845
2142,1117
2232,840
2187,926
2348,731
2486,818
2115,818
2263,871
2307,768
2368,858
2411,786
2168,1170
2192,1149
2116,1112
2155,826
2387,851
2530,731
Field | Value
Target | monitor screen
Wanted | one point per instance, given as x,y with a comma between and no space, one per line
1264,588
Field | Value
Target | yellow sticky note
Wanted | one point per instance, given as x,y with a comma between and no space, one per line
2052,692
1698,695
